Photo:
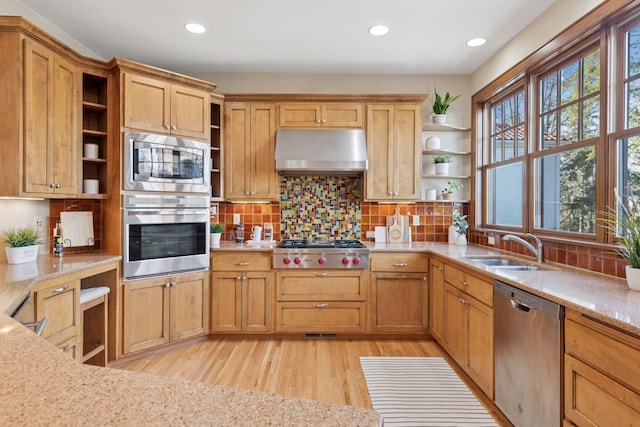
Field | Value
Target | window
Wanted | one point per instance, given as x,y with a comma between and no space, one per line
568,127
504,170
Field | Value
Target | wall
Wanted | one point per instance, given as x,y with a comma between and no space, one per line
21,213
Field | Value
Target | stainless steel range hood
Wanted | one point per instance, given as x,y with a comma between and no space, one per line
321,152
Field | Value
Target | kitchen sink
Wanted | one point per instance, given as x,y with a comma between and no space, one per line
506,264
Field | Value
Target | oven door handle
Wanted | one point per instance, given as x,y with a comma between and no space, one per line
176,212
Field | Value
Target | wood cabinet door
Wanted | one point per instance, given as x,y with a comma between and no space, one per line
189,314
59,301
146,314
226,301
263,178
51,129
480,341
343,115
300,114
455,324
407,122
399,302
379,175
237,151
147,104
189,112
257,301
436,300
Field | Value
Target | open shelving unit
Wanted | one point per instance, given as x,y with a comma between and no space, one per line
94,131
455,141
216,149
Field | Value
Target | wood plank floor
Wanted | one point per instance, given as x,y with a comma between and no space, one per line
325,370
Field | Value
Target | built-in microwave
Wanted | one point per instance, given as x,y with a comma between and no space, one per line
166,163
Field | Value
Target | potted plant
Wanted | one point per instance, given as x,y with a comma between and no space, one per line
442,163
447,192
440,107
626,225
22,244
216,230
460,226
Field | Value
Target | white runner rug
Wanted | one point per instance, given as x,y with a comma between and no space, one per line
421,391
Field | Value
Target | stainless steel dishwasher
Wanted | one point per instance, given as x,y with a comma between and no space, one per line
528,355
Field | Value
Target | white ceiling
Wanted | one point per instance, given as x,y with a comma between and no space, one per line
294,36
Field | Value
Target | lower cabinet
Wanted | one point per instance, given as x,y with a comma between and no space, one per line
601,371
241,292
165,309
59,301
468,325
321,301
399,292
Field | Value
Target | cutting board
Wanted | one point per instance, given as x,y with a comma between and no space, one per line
398,230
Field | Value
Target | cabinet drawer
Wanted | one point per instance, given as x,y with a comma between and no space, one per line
608,350
410,262
320,286
471,285
241,261
59,301
592,398
326,317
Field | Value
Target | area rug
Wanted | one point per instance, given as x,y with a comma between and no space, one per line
421,391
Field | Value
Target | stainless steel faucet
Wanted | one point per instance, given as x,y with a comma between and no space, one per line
537,251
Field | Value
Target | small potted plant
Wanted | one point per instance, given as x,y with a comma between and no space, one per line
442,162
447,192
216,230
626,225
22,244
440,107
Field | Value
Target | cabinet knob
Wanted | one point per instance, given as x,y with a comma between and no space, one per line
166,285
239,278
318,121
324,121
174,127
247,193
167,127
390,193
174,284
464,282
440,268
396,193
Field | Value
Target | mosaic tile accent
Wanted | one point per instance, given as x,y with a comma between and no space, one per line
321,207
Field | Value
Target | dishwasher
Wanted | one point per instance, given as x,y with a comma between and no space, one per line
528,356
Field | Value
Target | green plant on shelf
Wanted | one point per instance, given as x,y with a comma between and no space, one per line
451,187
442,158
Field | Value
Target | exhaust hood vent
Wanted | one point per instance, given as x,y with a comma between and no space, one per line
336,152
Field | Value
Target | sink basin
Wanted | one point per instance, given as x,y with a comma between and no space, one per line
501,263
516,267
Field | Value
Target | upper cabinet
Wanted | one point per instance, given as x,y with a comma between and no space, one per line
393,149
159,106
250,131
39,110
329,115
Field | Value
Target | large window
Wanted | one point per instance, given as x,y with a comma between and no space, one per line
504,166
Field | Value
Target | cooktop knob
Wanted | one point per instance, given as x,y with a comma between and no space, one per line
356,261
286,260
345,260
297,260
322,260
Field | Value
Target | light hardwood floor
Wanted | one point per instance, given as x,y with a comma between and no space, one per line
325,370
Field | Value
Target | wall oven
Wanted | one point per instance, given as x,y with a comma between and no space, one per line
165,234
165,163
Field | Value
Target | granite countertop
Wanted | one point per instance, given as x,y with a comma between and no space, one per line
598,295
41,386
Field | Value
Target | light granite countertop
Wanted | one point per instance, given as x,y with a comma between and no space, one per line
41,386
598,295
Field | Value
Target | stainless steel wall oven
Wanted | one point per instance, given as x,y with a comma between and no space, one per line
165,234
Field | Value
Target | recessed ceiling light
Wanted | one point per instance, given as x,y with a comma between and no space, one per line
195,28
378,30
479,41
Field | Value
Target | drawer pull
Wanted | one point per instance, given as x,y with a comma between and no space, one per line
58,290
402,264
65,348
242,264
323,305
321,274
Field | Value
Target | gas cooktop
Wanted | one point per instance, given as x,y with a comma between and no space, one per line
321,244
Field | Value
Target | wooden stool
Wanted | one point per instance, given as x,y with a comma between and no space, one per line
94,308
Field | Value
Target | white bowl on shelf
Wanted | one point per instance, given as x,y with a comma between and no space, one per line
91,151
91,186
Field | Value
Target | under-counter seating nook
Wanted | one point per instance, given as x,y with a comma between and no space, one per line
94,324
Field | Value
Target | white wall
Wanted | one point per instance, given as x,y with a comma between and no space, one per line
559,16
17,8
20,213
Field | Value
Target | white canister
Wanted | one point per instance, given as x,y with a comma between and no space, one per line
430,194
91,186
432,143
453,235
91,151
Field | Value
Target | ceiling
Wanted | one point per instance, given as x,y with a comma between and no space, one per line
294,36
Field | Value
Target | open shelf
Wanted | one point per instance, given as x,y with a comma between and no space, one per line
94,131
444,151
443,128
216,149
